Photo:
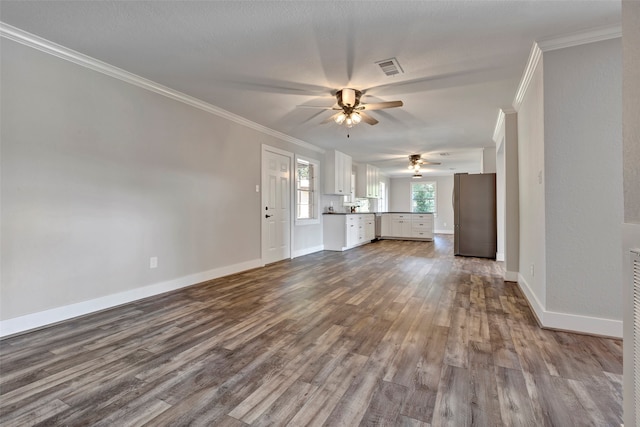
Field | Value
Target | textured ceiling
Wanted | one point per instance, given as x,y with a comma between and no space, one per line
261,60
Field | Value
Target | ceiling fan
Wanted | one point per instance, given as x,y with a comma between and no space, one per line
351,111
416,161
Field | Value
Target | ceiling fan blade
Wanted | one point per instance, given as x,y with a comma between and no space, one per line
430,163
322,107
381,105
330,118
367,118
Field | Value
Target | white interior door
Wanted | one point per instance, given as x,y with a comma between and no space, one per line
276,206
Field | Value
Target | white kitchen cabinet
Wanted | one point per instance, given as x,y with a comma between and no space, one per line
337,173
353,231
407,226
368,182
370,227
422,226
401,225
342,232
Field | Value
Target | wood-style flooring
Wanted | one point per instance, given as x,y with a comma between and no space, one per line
393,333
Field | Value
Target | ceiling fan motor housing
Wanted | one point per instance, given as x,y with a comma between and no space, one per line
415,158
348,97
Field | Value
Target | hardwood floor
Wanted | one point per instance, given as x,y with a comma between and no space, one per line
393,333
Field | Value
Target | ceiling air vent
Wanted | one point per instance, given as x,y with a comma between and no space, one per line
390,66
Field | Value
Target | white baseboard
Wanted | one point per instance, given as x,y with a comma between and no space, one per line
307,251
443,231
499,256
583,324
570,322
511,276
58,314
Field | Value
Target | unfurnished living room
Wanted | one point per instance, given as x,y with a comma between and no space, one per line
339,213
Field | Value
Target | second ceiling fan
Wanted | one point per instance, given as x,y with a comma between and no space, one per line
351,111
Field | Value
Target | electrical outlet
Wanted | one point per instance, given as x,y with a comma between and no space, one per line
532,270
445,224
153,262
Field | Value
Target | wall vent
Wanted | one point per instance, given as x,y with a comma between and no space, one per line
390,67
635,276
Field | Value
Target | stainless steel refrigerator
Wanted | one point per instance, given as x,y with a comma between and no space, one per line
474,210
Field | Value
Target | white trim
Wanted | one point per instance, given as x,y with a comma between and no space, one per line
58,314
583,37
527,75
499,256
511,276
46,46
307,251
497,130
567,321
534,302
583,324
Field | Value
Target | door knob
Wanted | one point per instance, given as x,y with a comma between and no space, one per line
268,216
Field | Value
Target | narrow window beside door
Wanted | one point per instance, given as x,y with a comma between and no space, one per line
306,191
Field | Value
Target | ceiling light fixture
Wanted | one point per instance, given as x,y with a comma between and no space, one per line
349,120
415,161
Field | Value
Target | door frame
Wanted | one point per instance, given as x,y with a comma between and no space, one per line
290,195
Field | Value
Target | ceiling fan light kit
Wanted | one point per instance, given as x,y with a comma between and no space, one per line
415,163
351,111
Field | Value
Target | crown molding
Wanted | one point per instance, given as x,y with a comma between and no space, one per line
497,131
532,64
20,36
561,42
583,37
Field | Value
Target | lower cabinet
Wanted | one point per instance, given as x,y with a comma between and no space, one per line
342,232
407,226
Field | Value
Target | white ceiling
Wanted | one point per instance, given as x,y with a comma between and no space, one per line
462,61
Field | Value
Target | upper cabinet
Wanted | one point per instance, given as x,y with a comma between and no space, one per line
368,182
337,173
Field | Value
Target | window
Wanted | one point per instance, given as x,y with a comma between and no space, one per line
382,198
423,197
306,191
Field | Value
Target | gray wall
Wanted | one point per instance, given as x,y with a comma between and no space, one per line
99,175
631,159
570,184
400,199
631,34
583,191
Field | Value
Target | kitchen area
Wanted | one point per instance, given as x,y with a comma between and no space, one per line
361,205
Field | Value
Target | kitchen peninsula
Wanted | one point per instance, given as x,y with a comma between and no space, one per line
342,231
407,226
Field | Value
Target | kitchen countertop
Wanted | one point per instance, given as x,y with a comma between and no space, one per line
349,213
373,213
